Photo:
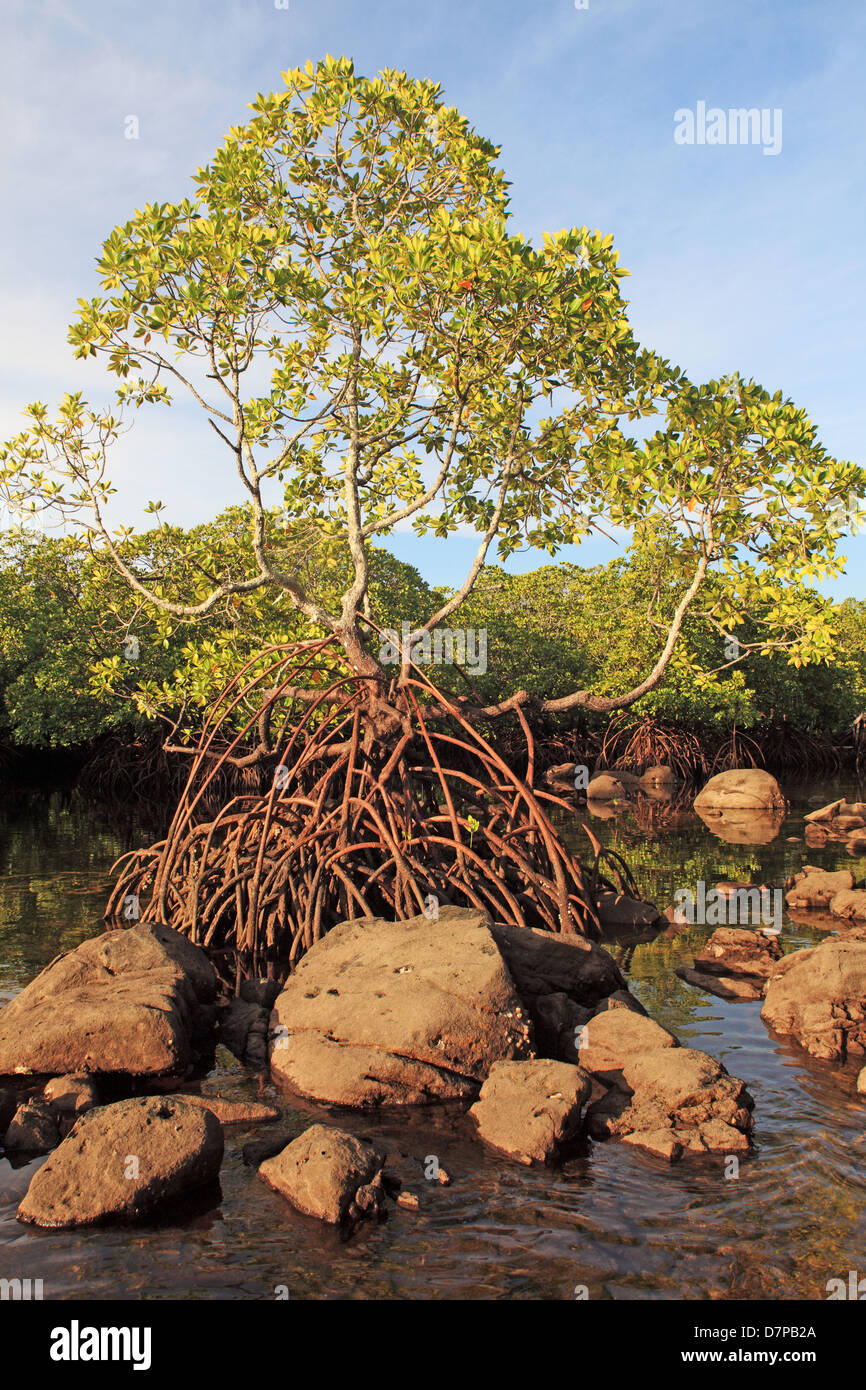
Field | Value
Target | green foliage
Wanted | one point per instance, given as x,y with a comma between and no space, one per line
368,336
80,654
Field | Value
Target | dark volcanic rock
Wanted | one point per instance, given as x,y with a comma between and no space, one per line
136,1001
124,1161
398,1013
530,1109
818,996
329,1174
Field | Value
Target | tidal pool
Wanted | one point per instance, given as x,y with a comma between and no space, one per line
618,1223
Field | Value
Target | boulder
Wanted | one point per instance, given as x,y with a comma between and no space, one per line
32,1129
816,836
659,775
329,1174
742,789
260,991
8,1106
398,1013
824,813
674,1101
530,1109
125,1160
136,1001
243,1029
724,986
617,910
231,1112
849,904
610,786
70,1097
540,963
612,1038
816,888
818,996
557,1021
560,777
735,962
861,1082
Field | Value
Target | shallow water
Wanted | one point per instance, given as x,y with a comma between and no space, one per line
619,1223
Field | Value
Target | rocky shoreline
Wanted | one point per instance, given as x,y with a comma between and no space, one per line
535,1038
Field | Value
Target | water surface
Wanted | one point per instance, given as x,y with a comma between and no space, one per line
619,1223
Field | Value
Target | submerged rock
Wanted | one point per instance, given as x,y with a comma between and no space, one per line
530,1109
397,1013
674,1101
328,1173
734,964
123,1161
137,1001
818,996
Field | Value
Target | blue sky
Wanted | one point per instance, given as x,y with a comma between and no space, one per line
739,260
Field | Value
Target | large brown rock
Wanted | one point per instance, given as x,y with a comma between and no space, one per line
122,1161
329,1174
849,904
541,963
398,1013
816,888
530,1109
742,789
135,1001
613,1038
675,1101
818,996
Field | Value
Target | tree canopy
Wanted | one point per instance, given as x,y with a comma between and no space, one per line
371,344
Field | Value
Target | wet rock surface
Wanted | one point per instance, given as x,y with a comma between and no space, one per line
530,1109
124,1161
329,1174
734,964
818,997
137,1001
398,1012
